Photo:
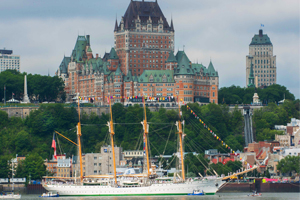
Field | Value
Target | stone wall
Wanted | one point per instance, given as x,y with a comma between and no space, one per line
23,112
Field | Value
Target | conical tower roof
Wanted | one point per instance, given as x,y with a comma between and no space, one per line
116,26
113,54
128,77
171,57
118,71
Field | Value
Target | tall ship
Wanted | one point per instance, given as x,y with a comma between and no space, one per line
130,184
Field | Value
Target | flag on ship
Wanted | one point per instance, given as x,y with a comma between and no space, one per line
54,146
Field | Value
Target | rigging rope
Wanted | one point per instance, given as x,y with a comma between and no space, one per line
167,140
58,145
202,131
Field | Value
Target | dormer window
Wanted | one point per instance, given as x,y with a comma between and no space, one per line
182,66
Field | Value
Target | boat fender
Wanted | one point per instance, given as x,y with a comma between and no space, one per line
217,184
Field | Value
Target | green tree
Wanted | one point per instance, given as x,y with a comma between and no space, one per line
5,170
39,87
32,165
289,164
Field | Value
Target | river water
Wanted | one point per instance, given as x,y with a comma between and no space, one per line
229,196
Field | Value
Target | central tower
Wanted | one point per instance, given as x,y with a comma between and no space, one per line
143,38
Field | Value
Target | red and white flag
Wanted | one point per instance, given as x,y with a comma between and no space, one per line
54,146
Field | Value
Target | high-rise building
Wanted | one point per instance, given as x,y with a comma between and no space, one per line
142,63
143,39
263,61
8,60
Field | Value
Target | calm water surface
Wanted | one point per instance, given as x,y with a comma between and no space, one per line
234,196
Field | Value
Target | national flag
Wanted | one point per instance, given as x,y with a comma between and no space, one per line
54,146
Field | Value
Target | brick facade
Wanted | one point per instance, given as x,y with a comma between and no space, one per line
142,62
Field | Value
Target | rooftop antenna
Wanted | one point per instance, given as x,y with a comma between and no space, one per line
183,47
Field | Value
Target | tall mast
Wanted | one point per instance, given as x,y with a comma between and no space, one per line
179,127
79,142
146,130
111,130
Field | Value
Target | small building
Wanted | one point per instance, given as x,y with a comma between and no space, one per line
51,166
97,163
64,167
216,157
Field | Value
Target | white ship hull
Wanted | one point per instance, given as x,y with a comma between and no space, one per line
209,186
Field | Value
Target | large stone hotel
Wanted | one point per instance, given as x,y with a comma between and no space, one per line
142,62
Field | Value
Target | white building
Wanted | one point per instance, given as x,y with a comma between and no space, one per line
8,60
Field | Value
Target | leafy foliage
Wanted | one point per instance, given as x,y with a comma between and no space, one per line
238,95
289,164
32,166
230,166
34,134
5,170
40,88
267,117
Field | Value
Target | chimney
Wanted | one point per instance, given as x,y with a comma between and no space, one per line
97,55
260,32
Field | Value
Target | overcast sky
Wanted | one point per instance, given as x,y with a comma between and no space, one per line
41,32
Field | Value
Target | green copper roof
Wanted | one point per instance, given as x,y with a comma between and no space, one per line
198,67
89,49
64,65
99,61
113,54
135,79
157,76
79,50
118,71
211,70
128,77
106,71
171,57
179,55
261,39
184,67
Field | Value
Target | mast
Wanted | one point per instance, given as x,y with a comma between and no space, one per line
179,127
146,130
79,143
111,130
